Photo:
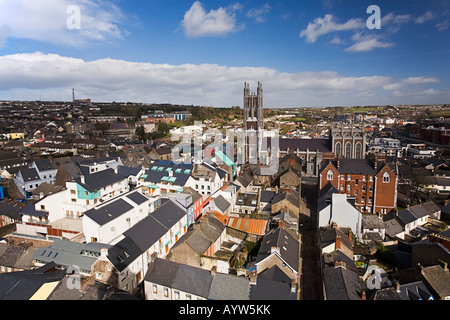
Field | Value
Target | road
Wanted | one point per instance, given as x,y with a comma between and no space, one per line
310,277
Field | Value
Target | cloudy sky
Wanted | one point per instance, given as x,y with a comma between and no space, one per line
306,53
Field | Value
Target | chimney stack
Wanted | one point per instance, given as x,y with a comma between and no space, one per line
338,242
338,161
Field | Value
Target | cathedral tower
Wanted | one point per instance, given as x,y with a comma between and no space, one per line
253,123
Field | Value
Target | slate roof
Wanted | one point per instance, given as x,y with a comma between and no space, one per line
108,212
29,174
96,181
322,145
24,284
229,287
393,227
128,171
30,210
137,197
68,253
271,290
43,164
150,229
267,196
342,284
221,203
328,237
414,291
178,276
123,253
438,279
291,197
418,211
289,247
406,216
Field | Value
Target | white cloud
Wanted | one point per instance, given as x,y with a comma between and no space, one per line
259,14
427,16
198,23
327,24
45,21
442,26
31,76
364,43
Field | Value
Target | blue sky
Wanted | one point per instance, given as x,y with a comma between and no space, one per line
305,53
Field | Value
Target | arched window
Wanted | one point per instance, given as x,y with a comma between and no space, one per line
358,151
348,150
330,175
386,177
338,149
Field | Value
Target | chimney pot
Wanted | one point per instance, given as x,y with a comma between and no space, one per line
338,242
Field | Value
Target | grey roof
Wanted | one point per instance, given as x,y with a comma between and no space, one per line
146,232
150,229
271,290
96,181
43,164
438,279
137,197
221,203
10,210
267,196
179,276
23,285
289,196
328,237
29,174
406,216
372,222
229,287
123,253
342,284
289,247
393,227
418,211
322,145
68,253
431,207
30,210
128,171
108,212
414,291
169,213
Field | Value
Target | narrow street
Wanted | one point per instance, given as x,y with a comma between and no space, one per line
310,277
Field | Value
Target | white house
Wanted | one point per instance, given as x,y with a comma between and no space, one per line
338,209
107,222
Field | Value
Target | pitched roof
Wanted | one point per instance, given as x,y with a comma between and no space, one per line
342,284
29,174
108,212
179,276
322,145
96,181
406,216
43,164
137,197
288,247
123,253
229,287
251,226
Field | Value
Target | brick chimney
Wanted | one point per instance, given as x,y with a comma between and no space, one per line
291,160
338,163
338,242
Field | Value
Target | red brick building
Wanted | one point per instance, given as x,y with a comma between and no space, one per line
372,183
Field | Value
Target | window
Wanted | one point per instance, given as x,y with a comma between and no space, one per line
177,295
338,149
155,289
330,175
73,200
386,177
358,151
166,292
348,150
73,192
42,207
